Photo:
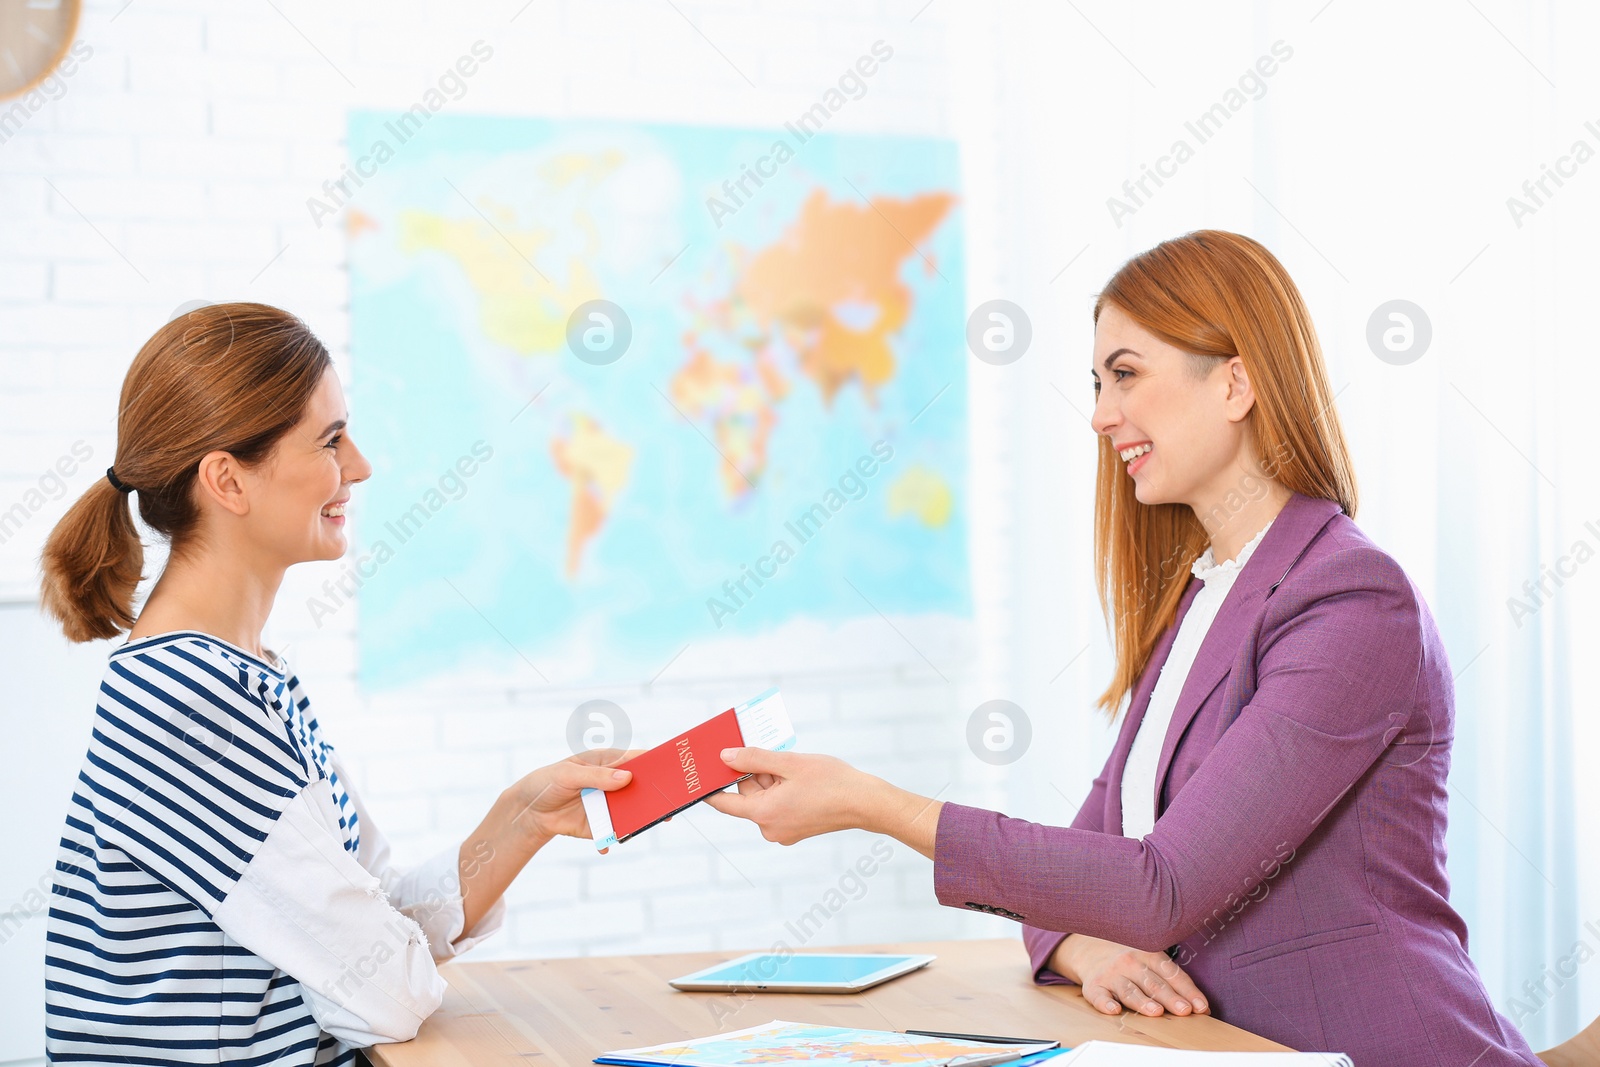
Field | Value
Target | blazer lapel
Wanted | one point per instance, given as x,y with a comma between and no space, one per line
1300,520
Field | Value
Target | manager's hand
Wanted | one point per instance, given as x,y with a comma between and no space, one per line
1114,975
793,795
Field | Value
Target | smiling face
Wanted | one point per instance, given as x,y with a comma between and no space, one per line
297,497
1177,420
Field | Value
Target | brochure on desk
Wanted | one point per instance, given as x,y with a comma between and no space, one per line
780,1043
685,770
783,1043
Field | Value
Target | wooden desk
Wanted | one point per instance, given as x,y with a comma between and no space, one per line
563,1013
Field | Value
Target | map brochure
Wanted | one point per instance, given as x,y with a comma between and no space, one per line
685,770
784,1043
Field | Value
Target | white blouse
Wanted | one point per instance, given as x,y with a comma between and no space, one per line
1139,775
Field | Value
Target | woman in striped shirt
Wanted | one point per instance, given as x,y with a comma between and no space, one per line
221,893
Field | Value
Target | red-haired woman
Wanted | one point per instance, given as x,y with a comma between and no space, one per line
222,894
1266,841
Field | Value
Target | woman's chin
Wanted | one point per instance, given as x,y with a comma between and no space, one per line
332,546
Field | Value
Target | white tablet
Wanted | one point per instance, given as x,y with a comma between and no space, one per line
768,972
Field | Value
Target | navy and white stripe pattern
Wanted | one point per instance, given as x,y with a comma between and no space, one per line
197,748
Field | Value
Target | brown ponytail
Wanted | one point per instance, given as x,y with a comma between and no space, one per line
224,377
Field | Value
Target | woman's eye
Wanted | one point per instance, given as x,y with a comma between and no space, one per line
333,442
1119,372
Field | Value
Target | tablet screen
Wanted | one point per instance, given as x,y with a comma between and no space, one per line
801,967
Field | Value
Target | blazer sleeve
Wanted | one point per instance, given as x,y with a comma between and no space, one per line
1338,665
1041,943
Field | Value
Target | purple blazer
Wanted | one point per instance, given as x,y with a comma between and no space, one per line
1297,866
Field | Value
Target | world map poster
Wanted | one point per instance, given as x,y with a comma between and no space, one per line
628,387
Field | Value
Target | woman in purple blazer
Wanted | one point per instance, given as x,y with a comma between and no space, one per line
1272,848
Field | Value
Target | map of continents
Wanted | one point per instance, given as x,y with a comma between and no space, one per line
769,352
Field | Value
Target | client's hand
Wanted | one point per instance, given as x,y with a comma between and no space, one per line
792,796
1113,975
548,800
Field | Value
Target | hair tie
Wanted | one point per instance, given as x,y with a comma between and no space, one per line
117,483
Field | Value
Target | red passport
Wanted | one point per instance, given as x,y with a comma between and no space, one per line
686,770
672,776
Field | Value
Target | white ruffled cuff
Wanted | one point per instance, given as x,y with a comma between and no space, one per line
430,894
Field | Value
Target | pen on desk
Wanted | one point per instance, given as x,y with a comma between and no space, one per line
983,1037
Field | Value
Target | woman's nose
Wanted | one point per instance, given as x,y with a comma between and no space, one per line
358,469
1105,414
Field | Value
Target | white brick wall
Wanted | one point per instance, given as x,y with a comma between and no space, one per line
176,167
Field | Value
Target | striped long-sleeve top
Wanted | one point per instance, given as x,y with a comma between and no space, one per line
221,895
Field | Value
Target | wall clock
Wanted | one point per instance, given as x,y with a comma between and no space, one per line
34,38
